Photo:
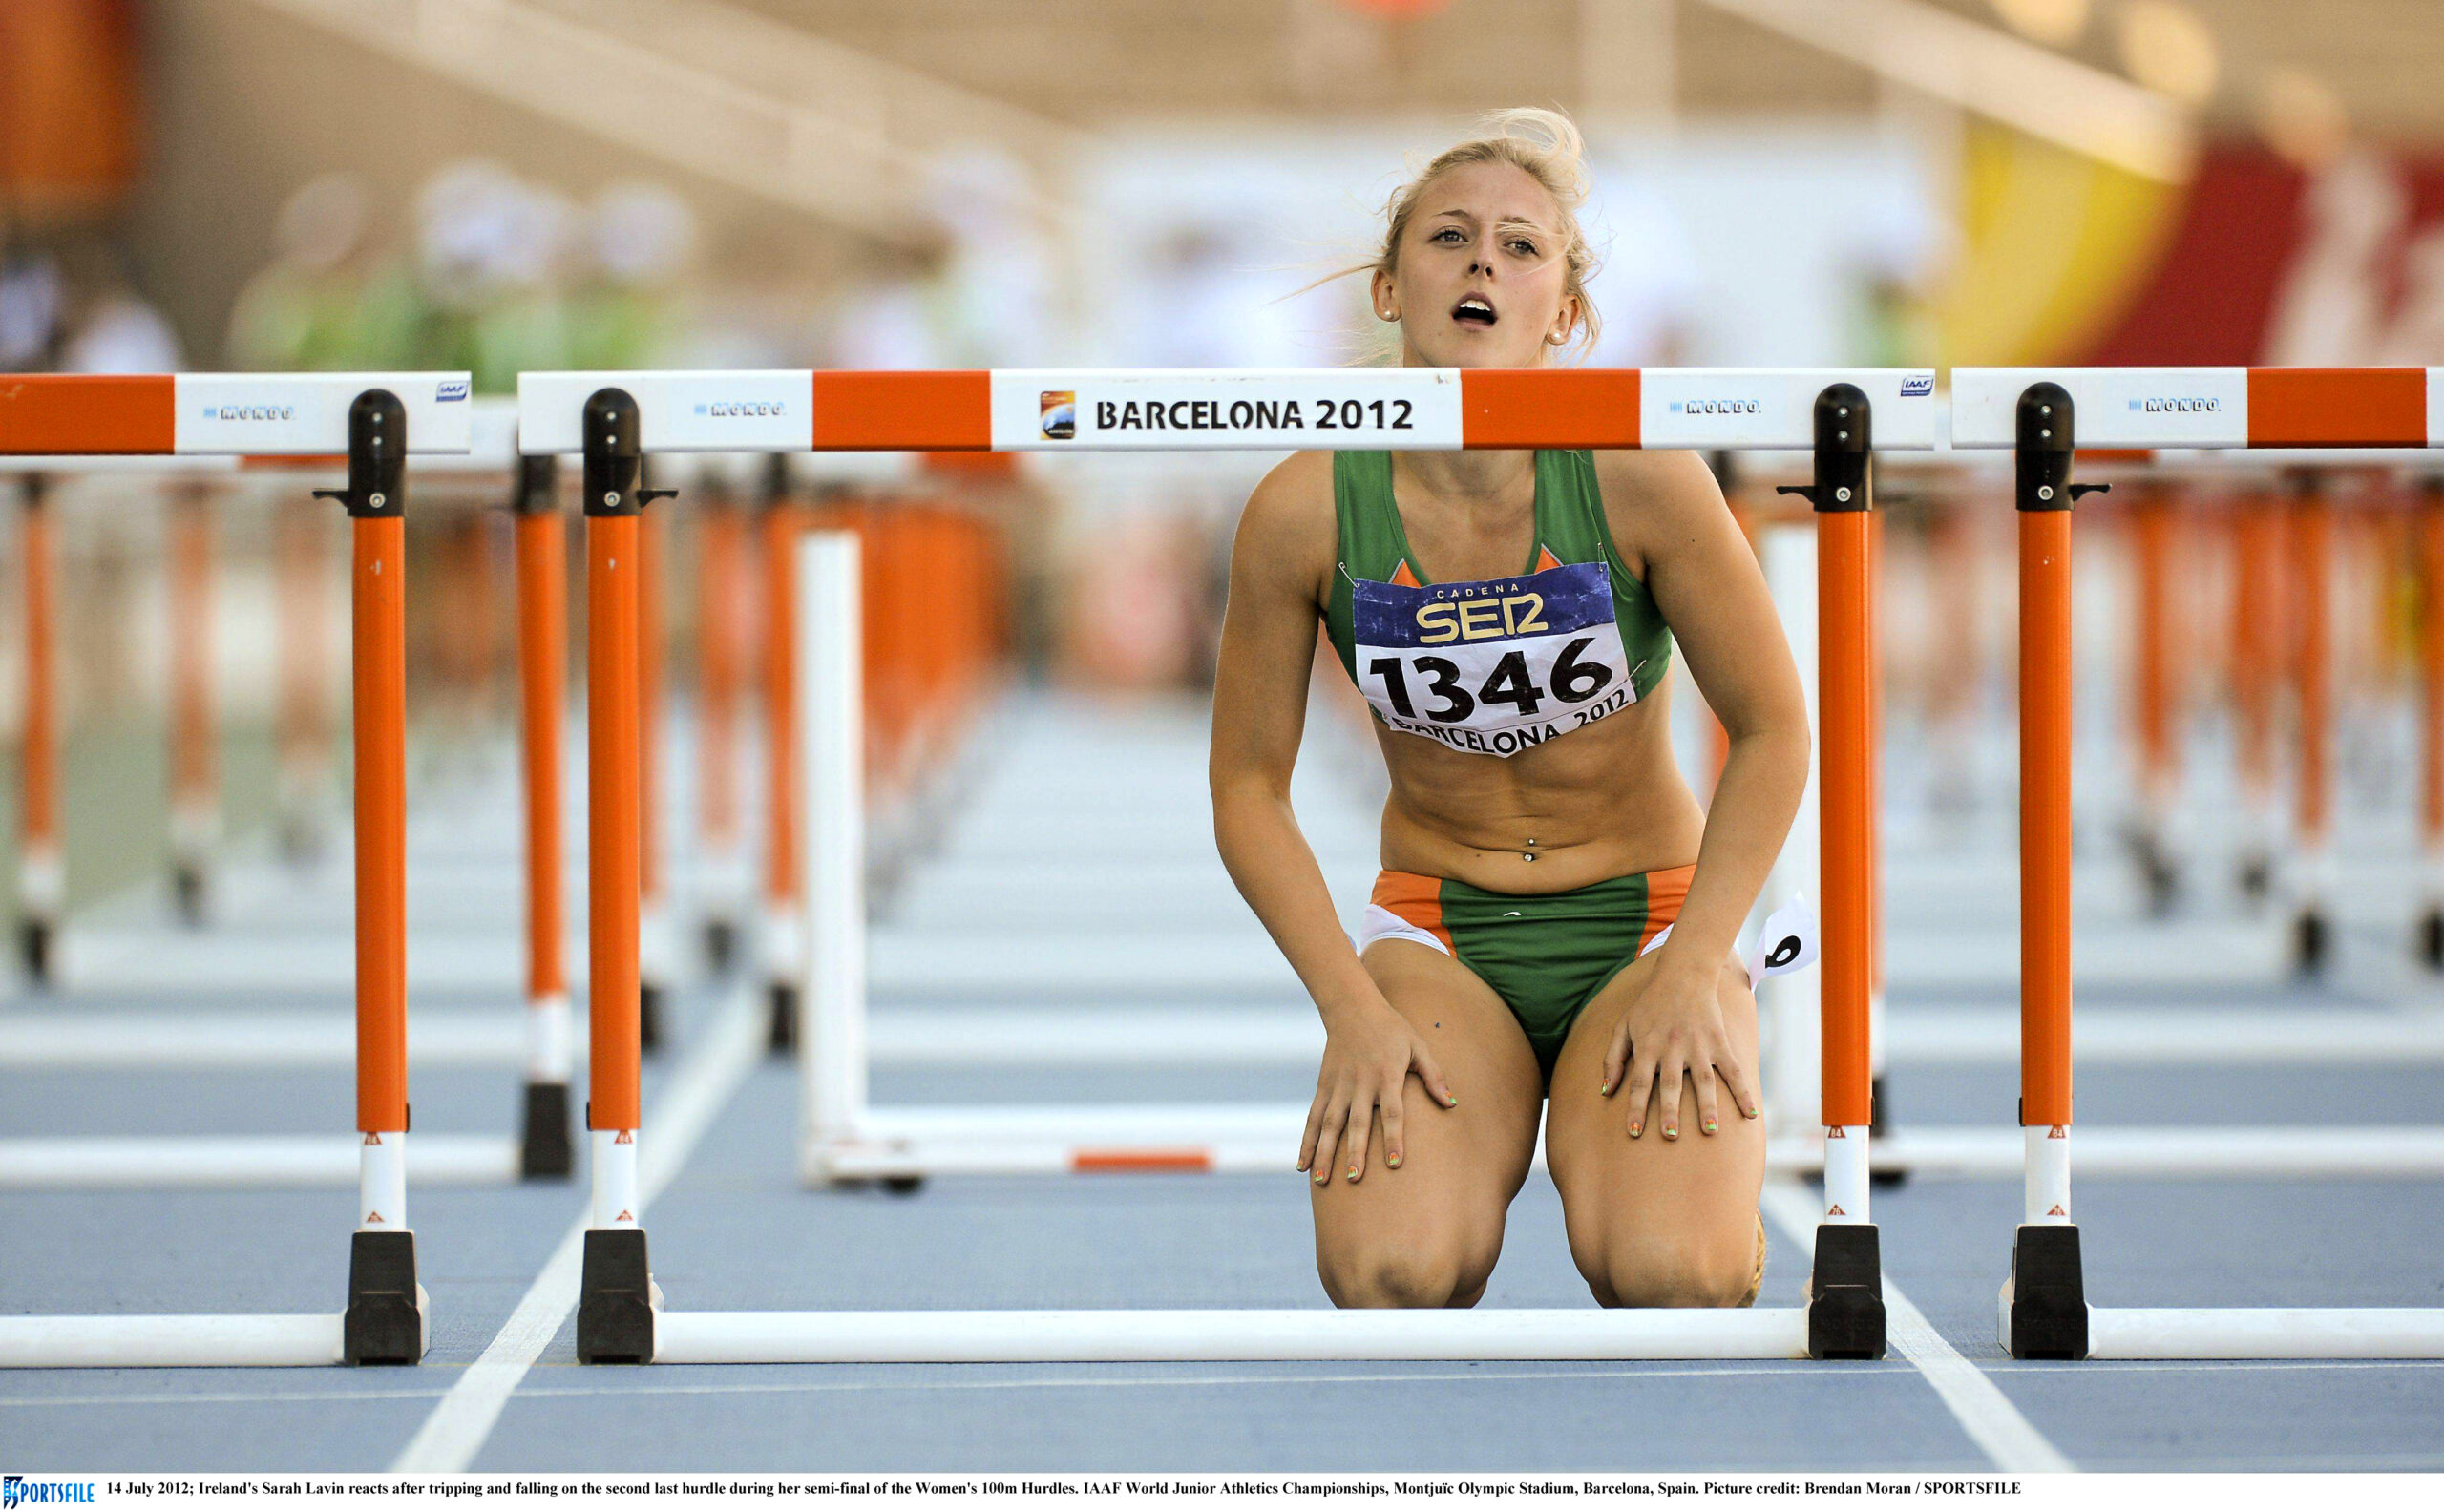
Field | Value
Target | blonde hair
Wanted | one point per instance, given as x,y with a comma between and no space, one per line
1546,146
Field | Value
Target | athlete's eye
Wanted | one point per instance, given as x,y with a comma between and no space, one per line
1523,247
1450,234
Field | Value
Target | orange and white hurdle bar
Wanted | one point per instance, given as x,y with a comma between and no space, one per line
2043,416
615,419
375,419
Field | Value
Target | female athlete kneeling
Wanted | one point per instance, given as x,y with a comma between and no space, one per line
1554,927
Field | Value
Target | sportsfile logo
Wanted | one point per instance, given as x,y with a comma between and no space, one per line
250,411
16,1491
1917,386
744,409
1714,407
2177,406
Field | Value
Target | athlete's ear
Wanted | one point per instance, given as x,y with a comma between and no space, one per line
1565,324
1379,289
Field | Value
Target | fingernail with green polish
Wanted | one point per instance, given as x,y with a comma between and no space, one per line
1394,1163
1710,1125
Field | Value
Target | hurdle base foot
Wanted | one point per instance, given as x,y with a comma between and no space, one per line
903,1186
187,891
2312,942
2256,878
386,1322
649,995
545,1150
2045,1302
616,1300
784,1035
1845,1294
2431,939
35,950
721,946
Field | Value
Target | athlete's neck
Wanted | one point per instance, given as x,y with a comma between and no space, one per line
1470,479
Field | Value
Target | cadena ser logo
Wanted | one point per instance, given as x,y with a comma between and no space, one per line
1917,386
1057,412
16,1491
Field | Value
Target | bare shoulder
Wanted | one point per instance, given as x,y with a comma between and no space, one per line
1288,527
1654,500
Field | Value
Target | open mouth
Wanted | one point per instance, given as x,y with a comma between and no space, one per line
1474,310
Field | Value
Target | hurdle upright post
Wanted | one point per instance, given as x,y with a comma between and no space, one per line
830,627
615,1322
783,948
652,963
1846,1315
2310,527
194,789
2044,1303
385,1323
544,1147
2431,716
42,873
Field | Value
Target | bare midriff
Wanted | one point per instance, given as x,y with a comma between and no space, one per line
1604,802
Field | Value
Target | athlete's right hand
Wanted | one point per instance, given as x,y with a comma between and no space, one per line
1370,1052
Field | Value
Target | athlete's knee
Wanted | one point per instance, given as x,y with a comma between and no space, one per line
1671,1270
1396,1273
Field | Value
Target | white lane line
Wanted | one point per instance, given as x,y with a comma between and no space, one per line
455,1433
1487,1372
1985,1414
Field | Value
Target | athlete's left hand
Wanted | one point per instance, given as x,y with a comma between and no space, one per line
1673,1029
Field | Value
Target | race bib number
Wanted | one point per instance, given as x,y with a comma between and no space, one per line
1493,667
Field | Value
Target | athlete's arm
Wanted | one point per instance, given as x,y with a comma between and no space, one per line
1284,548
1704,577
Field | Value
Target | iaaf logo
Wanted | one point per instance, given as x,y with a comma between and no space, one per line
1714,407
450,392
1917,386
17,1491
250,411
2178,406
744,409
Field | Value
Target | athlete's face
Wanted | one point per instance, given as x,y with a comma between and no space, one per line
1479,275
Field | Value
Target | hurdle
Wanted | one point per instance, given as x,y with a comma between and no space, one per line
375,419
615,419
2042,416
132,1039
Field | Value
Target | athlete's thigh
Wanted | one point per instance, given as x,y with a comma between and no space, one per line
1463,1164
1698,1185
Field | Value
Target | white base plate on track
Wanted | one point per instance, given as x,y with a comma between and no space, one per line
310,1159
1242,1138
1277,1334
